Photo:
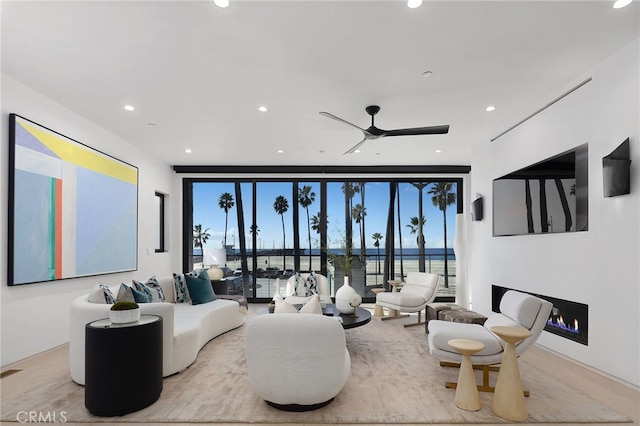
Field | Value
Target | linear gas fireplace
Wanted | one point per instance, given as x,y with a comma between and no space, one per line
567,319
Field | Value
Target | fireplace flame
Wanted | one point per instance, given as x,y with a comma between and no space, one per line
572,327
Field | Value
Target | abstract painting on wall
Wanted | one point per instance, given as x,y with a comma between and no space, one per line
72,210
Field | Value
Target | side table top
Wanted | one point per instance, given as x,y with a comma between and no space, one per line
466,346
106,322
511,334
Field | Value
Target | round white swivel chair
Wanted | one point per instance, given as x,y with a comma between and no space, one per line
296,362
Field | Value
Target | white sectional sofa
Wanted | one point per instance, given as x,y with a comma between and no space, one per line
186,328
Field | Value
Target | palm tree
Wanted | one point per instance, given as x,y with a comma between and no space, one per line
414,227
363,240
348,188
225,202
420,186
281,205
377,236
200,238
253,229
358,212
306,197
400,240
315,222
443,197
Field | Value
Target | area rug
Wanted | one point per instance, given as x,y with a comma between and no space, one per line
393,380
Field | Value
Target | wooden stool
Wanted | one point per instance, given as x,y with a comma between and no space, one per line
466,390
508,398
378,311
394,288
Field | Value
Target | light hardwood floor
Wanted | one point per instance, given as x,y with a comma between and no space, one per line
625,400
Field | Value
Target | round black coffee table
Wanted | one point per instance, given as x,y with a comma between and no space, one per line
361,317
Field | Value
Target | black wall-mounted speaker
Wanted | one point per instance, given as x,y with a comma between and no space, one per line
616,171
477,209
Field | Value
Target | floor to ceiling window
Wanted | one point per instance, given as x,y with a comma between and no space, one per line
269,229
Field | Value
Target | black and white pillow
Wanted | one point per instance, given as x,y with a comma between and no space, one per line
180,287
151,288
102,294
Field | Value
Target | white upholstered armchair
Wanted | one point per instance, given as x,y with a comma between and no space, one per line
322,286
516,309
419,289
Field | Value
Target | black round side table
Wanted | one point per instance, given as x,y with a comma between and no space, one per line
123,365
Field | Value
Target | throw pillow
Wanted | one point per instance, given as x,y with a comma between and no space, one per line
200,290
125,294
102,294
312,283
305,287
156,289
141,296
180,287
141,288
283,307
312,306
301,288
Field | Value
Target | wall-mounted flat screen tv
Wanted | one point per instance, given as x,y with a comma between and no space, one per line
550,196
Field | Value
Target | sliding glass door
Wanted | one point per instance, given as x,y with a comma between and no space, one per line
271,229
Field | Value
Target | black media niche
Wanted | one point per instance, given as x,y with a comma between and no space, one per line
567,319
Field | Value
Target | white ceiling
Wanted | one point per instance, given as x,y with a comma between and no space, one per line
199,72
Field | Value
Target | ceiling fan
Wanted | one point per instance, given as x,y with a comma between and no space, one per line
374,132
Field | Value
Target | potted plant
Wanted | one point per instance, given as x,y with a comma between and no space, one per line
347,298
124,312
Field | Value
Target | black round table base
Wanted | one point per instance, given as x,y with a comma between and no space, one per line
123,367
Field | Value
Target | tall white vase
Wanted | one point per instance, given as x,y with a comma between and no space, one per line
347,299
463,297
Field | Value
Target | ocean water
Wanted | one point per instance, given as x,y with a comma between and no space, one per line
372,252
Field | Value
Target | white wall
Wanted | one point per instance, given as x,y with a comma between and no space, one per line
35,317
599,267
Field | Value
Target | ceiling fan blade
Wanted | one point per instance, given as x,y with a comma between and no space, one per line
431,130
329,115
356,146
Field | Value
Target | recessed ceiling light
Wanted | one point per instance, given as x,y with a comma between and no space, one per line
188,151
151,124
438,151
414,3
619,4
263,109
490,108
357,151
427,73
280,151
129,107
221,3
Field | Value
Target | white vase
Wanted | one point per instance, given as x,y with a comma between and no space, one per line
347,299
460,249
124,317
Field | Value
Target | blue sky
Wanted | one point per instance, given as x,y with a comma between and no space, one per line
207,213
